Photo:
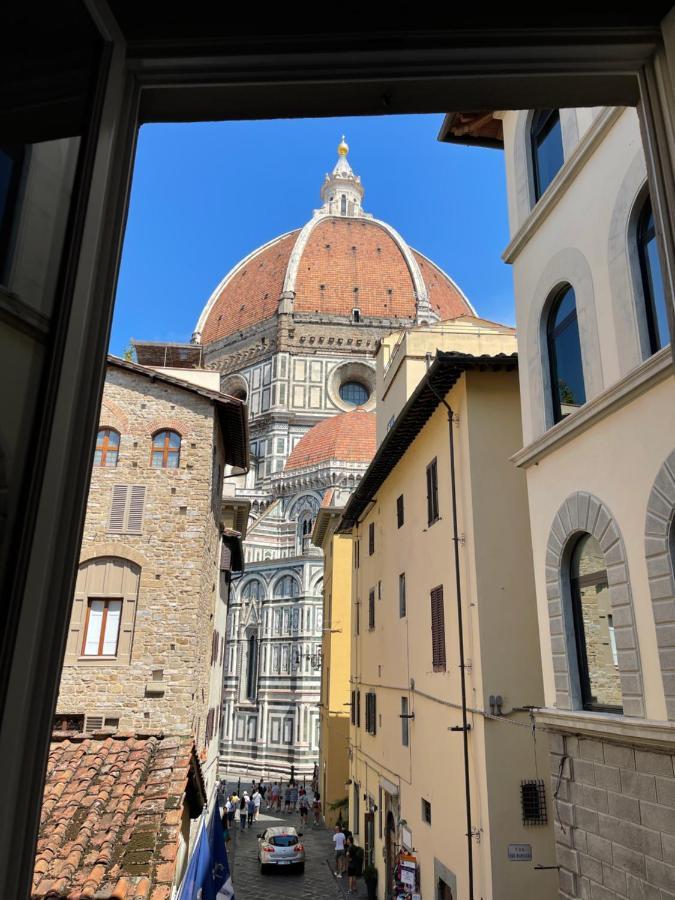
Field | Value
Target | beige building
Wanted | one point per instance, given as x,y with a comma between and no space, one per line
336,649
598,404
147,631
445,657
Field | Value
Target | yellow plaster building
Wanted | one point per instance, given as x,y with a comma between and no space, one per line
336,646
429,589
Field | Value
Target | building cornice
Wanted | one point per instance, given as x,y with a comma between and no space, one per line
604,726
650,373
562,181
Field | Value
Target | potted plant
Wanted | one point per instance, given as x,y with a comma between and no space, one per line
370,878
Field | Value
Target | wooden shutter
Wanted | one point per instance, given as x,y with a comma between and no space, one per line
136,505
399,511
371,538
438,629
371,609
118,507
358,709
353,707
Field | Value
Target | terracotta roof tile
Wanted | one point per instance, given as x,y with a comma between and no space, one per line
347,437
96,838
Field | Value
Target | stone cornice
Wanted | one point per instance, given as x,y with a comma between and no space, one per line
604,726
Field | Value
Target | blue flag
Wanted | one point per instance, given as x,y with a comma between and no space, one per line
208,873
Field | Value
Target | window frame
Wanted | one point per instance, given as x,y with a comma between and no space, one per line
642,240
405,722
105,448
582,666
553,331
402,598
538,130
433,512
85,631
165,449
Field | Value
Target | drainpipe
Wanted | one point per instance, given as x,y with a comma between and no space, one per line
458,590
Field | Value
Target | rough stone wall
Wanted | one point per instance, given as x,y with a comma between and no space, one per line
177,550
614,819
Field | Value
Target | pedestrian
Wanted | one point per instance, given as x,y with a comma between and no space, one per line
231,808
304,809
339,844
251,811
274,796
226,823
294,797
316,807
263,789
354,858
243,808
287,799
257,800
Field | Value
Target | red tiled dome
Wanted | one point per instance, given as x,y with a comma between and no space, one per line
339,263
348,437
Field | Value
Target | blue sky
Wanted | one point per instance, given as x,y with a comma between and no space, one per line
204,195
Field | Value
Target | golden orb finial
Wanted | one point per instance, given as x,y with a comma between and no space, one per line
343,147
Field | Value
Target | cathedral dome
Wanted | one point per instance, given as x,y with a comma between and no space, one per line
343,260
347,437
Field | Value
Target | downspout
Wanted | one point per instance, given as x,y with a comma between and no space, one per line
458,590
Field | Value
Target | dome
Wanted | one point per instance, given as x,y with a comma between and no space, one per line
347,437
342,260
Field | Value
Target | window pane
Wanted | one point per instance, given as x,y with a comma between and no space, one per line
547,148
172,460
655,300
113,439
564,348
174,439
112,627
97,458
157,459
354,392
594,626
94,627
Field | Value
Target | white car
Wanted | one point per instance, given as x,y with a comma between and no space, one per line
281,846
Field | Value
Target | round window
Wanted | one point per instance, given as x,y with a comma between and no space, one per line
354,392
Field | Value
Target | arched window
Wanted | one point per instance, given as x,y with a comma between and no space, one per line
252,590
286,587
107,448
165,450
343,205
597,658
547,148
652,282
564,355
354,392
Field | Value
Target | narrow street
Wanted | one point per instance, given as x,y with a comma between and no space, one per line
317,882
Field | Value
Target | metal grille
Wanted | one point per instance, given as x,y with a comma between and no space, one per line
533,802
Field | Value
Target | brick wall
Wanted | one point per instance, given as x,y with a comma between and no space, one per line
614,819
177,553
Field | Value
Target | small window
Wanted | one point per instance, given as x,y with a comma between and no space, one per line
432,492
126,508
371,610
371,539
357,617
165,450
102,626
568,392
652,282
437,629
426,811
400,514
354,393
107,448
597,659
401,596
533,802
353,707
343,205
356,315
357,554
371,713
405,722
547,148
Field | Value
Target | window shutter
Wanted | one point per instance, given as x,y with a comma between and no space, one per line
371,609
353,707
429,515
438,630
374,714
136,504
118,507
358,709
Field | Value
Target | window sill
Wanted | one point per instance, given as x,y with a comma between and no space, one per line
597,726
562,181
645,376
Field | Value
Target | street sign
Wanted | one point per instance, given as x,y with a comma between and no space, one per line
520,852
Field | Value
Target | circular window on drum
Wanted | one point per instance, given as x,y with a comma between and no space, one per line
354,392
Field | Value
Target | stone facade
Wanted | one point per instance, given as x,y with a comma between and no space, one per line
163,565
615,819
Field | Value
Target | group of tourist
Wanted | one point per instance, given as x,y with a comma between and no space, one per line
248,805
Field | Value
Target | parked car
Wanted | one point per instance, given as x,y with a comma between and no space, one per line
281,846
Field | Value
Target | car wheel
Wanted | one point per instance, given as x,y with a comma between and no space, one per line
300,868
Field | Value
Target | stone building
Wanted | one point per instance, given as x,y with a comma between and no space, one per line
598,404
293,330
146,640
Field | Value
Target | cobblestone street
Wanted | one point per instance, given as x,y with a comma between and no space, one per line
317,882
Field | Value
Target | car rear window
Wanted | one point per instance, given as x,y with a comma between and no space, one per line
284,840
